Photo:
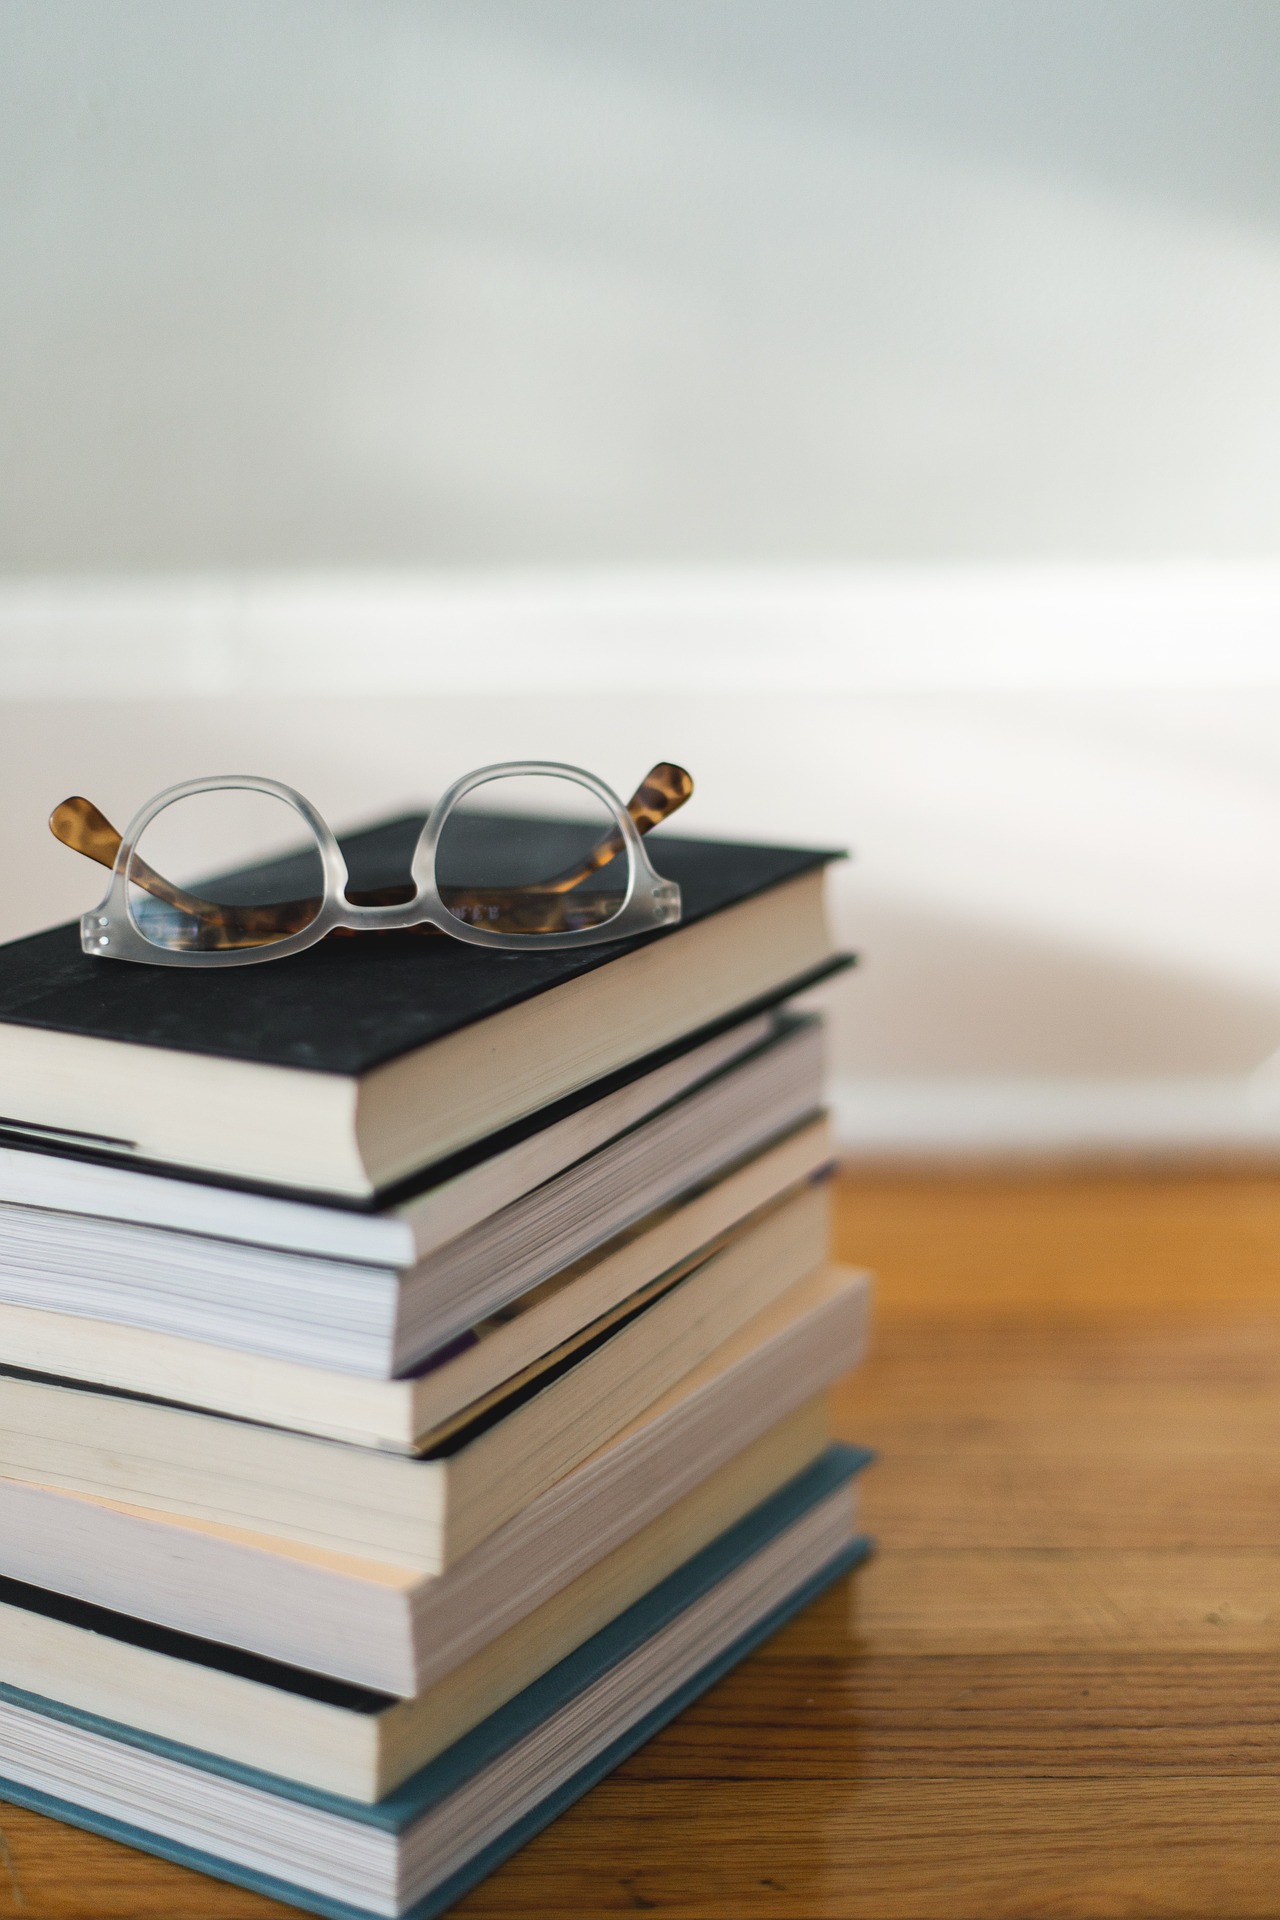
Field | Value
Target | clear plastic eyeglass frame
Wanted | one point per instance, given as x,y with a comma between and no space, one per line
111,932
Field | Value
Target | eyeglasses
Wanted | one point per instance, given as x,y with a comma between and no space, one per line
492,873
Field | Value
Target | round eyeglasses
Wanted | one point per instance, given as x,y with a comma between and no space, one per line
231,871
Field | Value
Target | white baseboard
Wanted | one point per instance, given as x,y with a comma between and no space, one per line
821,630
962,1118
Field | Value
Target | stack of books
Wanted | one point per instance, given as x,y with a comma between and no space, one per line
413,1374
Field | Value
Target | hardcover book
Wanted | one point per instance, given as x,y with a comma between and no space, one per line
351,1066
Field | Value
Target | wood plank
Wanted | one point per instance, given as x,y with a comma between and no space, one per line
1094,1715
976,1599
1068,1245
1007,1501
1056,1849
48,1869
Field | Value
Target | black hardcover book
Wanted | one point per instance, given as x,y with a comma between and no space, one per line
352,1065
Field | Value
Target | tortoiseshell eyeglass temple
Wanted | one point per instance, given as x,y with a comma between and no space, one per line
555,905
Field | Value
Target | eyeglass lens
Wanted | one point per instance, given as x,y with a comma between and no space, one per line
565,869
227,868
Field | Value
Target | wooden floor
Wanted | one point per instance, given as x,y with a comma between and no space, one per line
1054,1692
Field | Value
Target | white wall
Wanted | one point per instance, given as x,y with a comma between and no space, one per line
390,282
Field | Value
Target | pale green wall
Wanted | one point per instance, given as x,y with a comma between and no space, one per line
411,281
